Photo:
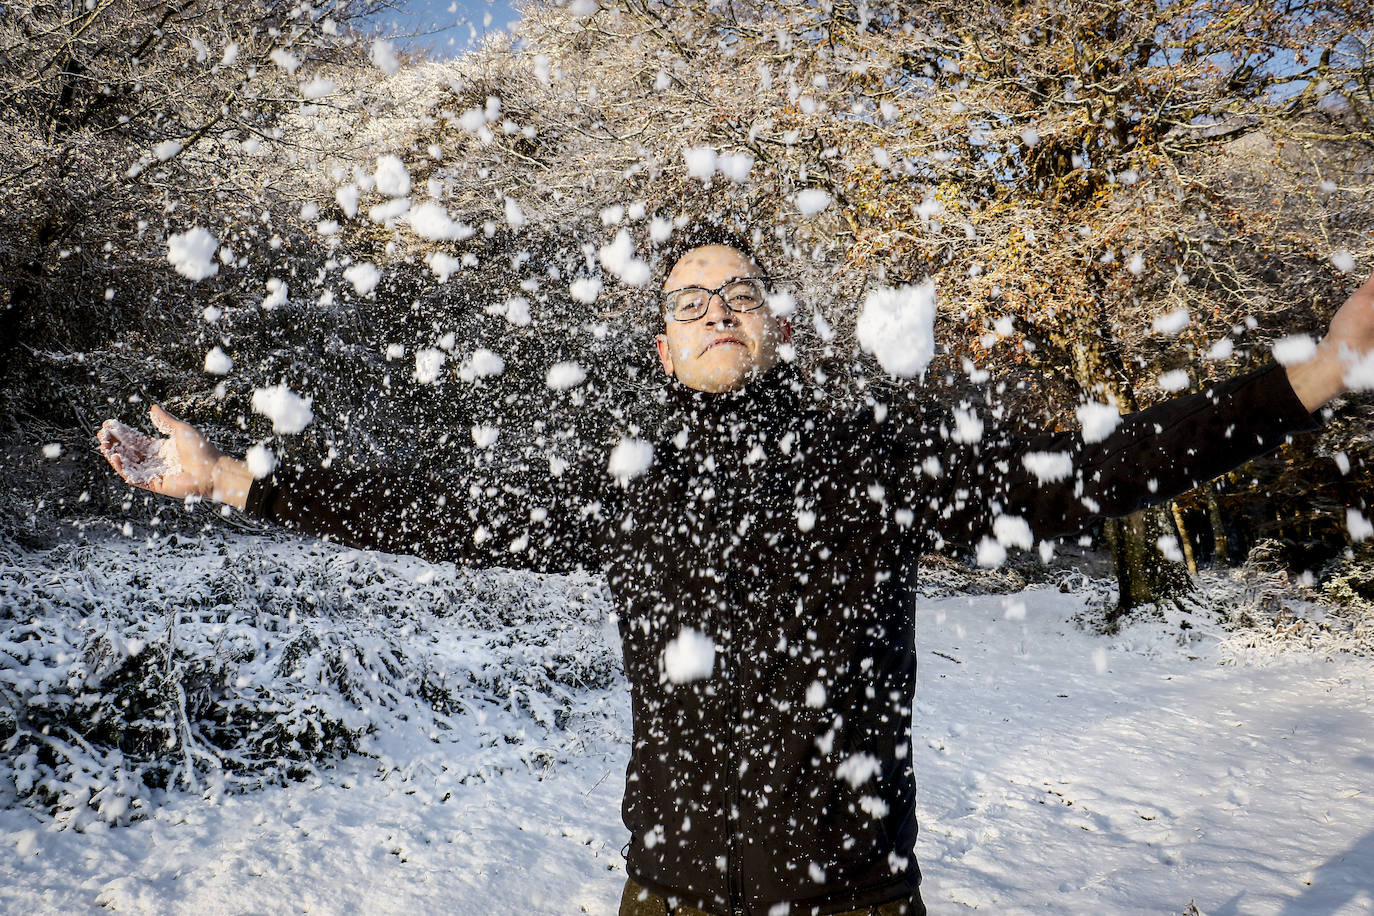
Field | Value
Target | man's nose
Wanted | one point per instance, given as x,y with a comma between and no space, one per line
718,313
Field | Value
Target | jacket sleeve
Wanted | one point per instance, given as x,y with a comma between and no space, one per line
516,518
1025,490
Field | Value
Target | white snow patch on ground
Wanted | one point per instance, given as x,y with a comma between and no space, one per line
1059,771
898,327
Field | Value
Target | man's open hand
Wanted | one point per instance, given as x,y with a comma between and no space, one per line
181,465
1348,342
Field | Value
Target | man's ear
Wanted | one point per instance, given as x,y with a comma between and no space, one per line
663,355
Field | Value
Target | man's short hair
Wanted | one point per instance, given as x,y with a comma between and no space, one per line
700,235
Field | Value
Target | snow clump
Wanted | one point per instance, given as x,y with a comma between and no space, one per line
585,289
442,265
1172,322
1048,467
289,412
701,162
1342,261
384,56
1360,527
735,166
192,253
1013,531
619,258
898,327
515,217
811,201
317,88
689,657
629,459
260,460
391,176
429,365
1359,372
217,362
52,450
169,148
858,769
364,276
1098,420
431,221
1176,380
485,435
1293,349
483,363
565,375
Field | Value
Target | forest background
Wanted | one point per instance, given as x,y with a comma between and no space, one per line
1117,201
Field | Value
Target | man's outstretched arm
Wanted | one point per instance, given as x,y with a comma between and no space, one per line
515,519
185,464
1059,484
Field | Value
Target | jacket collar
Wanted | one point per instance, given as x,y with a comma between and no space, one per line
771,399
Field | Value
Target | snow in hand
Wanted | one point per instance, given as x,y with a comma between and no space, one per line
1046,787
141,459
689,657
289,412
629,459
898,327
192,253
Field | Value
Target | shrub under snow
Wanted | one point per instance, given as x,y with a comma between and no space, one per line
128,668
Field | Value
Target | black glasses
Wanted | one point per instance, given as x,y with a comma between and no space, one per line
742,294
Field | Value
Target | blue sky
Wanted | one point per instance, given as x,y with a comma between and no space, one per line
447,26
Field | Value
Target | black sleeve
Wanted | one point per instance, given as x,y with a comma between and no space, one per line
513,517
1020,490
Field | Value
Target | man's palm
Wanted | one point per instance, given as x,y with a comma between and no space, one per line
180,465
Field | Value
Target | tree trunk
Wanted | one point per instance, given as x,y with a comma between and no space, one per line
1221,554
1184,541
1143,575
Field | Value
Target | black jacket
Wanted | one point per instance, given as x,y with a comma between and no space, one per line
788,538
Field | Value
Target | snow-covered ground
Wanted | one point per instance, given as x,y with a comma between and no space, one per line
1060,772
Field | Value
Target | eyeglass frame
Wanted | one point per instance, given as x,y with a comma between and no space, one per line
712,294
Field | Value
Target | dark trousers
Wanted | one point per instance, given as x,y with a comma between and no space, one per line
636,901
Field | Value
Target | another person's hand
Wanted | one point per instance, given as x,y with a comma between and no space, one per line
1349,339
184,464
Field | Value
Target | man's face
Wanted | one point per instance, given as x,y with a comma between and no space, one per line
723,349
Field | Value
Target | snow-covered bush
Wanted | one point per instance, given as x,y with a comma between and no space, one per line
219,664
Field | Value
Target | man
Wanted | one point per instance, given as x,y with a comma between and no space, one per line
761,567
